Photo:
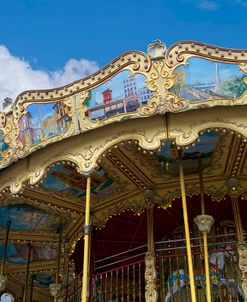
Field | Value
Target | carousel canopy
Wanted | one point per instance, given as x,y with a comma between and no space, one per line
121,125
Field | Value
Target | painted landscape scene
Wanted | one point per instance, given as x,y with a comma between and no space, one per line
3,146
121,94
204,149
202,80
27,217
43,121
17,253
66,180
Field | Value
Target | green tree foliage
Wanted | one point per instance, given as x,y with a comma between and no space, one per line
88,99
232,88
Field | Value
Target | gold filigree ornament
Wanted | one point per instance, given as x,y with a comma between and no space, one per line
204,223
242,253
6,129
160,79
158,66
151,293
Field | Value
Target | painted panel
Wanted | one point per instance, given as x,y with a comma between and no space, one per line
42,280
43,121
202,79
65,179
3,146
26,217
17,253
122,94
204,148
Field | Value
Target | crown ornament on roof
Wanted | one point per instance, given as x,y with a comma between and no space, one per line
156,50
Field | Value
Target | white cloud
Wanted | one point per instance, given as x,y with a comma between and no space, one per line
211,5
242,3
207,5
17,75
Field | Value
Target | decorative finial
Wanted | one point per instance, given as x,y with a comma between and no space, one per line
156,50
3,282
233,185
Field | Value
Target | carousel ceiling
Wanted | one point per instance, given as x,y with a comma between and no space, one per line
123,126
125,173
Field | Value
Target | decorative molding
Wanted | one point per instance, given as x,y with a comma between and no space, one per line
151,293
179,53
157,66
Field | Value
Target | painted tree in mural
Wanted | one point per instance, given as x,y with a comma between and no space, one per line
234,87
87,101
180,77
3,146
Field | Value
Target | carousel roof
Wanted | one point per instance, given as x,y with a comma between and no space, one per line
122,125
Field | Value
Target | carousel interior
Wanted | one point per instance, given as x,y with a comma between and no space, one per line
129,184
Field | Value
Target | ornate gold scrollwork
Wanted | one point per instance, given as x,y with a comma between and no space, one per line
179,52
6,127
161,80
242,253
157,66
204,223
151,293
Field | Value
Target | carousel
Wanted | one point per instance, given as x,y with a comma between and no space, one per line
129,185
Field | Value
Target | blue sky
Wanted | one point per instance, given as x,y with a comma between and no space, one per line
204,71
47,34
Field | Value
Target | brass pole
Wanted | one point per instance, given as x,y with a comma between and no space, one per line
204,233
5,247
58,253
27,272
150,230
201,187
186,227
86,243
237,219
31,292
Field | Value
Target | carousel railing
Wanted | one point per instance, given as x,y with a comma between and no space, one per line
120,277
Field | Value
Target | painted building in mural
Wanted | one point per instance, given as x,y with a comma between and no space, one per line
62,116
27,131
164,186
122,94
43,121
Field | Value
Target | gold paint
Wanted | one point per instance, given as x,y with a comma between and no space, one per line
186,227
86,244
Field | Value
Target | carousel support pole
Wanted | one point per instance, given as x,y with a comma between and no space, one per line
204,223
233,184
31,292
151,293
56,288
86,243
3,279
59,253
27,272
186,227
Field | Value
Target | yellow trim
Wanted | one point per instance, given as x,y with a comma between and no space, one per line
187,231
86,244
206,263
